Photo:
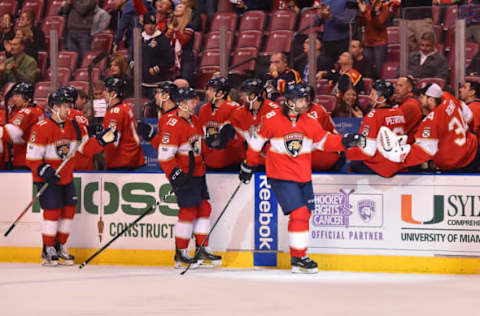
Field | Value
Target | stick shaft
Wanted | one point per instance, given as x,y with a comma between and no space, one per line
118,235
213,226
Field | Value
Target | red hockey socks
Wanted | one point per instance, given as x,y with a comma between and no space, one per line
184,226
50,225
65,223
298,231
202,223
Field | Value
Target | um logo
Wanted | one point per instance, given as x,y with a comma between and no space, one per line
438,210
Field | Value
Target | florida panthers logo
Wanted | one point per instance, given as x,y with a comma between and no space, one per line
366,209
63,148
293,143
196,145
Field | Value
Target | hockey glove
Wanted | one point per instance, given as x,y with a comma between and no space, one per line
48,173
213,140
226,133
108,136
354,140
392,146
179,179
145,130
246,172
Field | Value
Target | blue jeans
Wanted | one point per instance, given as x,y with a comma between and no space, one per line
79,41
376,54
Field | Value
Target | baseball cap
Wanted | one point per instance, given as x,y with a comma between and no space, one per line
434,91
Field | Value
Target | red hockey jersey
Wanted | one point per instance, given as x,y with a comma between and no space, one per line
391,117
17,131
475,108
322,160
246,123
157,139
212,120
444,137
412,110
291,144
51,143
178,137
82,162
126,151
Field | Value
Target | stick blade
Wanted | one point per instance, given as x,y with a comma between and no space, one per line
9,230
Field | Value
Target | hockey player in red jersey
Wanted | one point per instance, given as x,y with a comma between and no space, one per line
246,119
443,136
410,106
126,153
213,116
82,162
322,160
470,94
53,140
180,156
165,107
368,159
16,133
293,134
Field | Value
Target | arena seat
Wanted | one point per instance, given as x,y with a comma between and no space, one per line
249,39
252,20
282,20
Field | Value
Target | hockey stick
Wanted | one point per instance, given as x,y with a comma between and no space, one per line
149,209
45,185
213,226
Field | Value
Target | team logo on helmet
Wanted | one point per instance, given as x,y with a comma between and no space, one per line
196,145
293,143
63,148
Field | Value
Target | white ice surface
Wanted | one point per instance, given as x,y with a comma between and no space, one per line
30,289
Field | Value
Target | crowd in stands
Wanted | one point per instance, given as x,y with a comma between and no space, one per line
356,43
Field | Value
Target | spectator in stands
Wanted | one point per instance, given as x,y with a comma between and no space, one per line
19,67
126,26
26,35
427,62
361,62
180,32
471,12
209,7
240,6
181,83
79,24
82,104
347,104
344,73
101,21
27,19
119,69
470,94
337,28
302,61
6,30
474,68
116,14
163,10
374,17
418,14
157,55
280,74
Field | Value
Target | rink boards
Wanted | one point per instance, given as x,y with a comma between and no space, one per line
411,223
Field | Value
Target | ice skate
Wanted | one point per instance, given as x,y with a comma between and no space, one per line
183,259
304,265
49,256
207,259
62,253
